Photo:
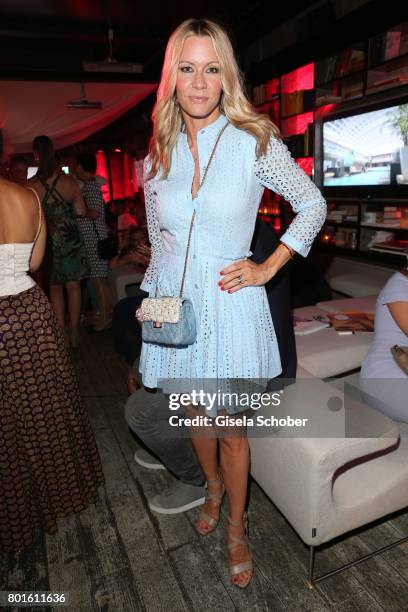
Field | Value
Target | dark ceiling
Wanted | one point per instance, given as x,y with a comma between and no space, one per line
43,39
50,39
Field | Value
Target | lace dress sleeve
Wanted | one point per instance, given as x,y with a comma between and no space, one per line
155,238
277,170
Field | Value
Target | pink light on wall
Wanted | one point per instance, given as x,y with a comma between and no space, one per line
297,124
127,173
102,170
271,88
306,163
121,175
325,109
301,78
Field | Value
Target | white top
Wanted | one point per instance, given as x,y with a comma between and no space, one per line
379,361
15,263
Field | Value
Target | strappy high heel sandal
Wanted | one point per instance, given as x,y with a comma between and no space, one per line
238,568
206,518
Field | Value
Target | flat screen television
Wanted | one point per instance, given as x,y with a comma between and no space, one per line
366,151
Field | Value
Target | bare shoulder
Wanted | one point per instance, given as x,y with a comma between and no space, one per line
68,181
17,196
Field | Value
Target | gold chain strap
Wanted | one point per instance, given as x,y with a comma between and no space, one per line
193,215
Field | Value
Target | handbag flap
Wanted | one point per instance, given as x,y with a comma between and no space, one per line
164,309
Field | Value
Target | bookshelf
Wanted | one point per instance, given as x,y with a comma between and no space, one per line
294,102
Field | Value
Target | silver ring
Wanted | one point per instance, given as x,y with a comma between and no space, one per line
240,279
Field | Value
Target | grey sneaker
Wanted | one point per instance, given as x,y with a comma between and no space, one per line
144,458
178,498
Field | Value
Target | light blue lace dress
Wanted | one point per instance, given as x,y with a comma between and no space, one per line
235,333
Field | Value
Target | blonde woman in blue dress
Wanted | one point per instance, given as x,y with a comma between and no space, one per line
201,90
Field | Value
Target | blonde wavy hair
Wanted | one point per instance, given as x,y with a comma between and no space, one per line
166,115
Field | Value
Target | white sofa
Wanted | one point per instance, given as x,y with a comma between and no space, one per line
354,278
349,468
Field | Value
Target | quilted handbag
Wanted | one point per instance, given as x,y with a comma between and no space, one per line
169,320
180,332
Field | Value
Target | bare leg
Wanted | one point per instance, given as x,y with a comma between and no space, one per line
204,442
103,297
234,458
58,303
74,303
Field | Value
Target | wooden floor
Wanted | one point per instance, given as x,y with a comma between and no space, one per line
119,556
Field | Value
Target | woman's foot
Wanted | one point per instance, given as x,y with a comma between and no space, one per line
240,558
209,514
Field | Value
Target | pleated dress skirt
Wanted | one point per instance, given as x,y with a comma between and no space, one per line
236,349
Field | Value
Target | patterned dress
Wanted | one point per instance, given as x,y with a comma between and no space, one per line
235,333
65,258
49,460
94,230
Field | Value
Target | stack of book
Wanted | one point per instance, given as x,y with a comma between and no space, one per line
399,247
346,62
388,45
388,216
343,213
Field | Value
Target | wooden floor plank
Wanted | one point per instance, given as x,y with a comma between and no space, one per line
265,517
175,530
66,565
135,532
119,555
272,567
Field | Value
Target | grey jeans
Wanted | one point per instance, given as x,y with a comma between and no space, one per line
147,414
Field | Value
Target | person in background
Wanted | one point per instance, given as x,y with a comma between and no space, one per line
126,330
140,213
49,461
112,211
126,217
383,383
66,260
132,252
93,230
18,170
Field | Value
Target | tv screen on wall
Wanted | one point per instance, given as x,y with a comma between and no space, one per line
367,149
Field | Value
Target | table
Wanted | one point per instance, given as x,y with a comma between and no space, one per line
357,304
324,353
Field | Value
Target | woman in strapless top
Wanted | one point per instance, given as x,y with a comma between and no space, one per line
49,461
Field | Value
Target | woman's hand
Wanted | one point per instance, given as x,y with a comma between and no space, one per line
139,315
144,252
139,258
251,272
143,249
